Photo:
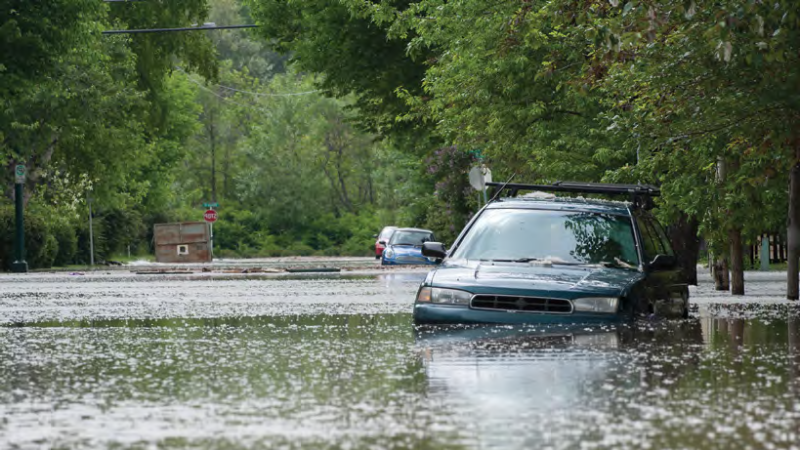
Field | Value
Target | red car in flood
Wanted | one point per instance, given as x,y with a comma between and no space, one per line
382,239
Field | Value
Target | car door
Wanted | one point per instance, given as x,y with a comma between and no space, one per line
674,278
667,293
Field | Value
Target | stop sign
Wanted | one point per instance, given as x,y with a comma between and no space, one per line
210,216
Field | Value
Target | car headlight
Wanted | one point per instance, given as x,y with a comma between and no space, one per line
596,304
388,253
443,296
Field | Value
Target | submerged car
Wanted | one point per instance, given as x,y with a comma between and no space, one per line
539,258
381,239
405,247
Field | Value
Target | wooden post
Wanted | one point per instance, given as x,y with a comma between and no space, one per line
765,252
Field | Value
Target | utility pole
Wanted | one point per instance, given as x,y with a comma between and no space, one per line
19,265
91,233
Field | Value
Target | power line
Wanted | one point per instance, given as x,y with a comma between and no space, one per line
257,94
170,30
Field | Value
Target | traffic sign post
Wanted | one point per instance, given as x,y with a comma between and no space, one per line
19,265
210,216
19,173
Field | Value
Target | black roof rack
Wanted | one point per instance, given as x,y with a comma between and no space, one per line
639,194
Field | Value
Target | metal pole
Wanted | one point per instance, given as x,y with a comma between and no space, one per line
19,265
212,239
91,235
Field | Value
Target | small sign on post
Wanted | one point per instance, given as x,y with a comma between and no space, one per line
19,173
210,216
211,205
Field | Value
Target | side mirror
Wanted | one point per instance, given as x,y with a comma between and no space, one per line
434,250
382,242
663,262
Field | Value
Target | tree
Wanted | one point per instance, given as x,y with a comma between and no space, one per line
352,51
720,81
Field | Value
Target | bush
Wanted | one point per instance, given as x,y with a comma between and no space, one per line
125,227
67,239
298,249
40,246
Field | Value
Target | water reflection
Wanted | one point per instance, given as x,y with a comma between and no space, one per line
699,383
373,381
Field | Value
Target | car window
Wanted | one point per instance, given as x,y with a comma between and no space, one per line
410,237
560,236
666,245
650,241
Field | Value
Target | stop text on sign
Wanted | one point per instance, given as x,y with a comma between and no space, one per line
210,216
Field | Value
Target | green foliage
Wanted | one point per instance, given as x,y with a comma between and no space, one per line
41,246
702,89
64,234
352,51
372,123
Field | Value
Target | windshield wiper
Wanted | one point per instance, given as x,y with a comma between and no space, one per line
518,260
542,260
616,264
521,260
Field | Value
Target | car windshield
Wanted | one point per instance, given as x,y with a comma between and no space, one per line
567,237
410,237
387,234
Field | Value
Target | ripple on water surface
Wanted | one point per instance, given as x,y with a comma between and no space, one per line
349,371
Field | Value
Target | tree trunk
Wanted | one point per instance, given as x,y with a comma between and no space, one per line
735,241
793,230
737,262
683,235
721,275
720,271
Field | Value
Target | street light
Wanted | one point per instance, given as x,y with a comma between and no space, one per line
19,265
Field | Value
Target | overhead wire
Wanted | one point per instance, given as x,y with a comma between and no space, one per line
257,94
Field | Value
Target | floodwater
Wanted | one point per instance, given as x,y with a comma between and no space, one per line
333,362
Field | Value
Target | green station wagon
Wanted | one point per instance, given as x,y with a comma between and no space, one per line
538,258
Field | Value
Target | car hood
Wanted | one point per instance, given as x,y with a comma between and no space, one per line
553,281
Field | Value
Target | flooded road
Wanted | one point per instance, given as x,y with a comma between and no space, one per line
333,362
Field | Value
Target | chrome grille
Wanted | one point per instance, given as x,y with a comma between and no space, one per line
421,259
524,304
